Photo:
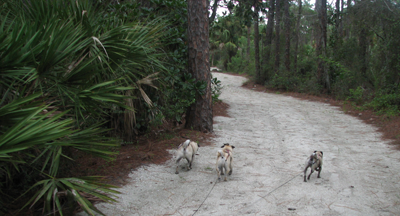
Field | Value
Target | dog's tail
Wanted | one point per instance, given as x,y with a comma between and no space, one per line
185,144
221,153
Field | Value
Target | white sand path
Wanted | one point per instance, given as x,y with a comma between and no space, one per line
273,135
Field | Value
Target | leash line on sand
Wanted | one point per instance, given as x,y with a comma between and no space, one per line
279,186
271,191
195,211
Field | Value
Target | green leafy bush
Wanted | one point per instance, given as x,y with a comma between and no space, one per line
356,95
67,67
386,103
180,97
216,88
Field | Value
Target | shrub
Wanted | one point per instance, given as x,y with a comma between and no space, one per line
356,95
216,88
386,103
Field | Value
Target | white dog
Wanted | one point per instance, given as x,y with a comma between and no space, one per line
224,160
186,150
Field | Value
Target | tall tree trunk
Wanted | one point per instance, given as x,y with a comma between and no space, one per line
256,44
287,36
337,21
363,51
268,38
347,29
214,12
248,43
199,115
363,45
277,35
297,37
322,72
341,18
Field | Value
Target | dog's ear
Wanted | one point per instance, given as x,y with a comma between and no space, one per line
233,147
224,145
322,153
315,151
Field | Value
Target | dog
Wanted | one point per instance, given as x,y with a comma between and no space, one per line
315,163
187,150
224,160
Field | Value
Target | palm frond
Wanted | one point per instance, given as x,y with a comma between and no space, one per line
64,67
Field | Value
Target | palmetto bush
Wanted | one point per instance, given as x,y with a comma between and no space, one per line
65,67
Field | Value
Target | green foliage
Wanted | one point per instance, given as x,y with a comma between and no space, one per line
240,63
224,37
356,95
67,67
216,88
177,88
32,137
386,103
181,96
361,58
287,82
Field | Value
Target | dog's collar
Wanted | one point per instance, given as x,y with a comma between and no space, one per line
315,160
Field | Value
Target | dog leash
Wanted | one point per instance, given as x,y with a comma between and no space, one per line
253,202
273,190
229,154
215,182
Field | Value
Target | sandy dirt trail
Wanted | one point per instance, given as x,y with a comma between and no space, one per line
273,136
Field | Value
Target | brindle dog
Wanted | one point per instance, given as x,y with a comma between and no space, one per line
315,163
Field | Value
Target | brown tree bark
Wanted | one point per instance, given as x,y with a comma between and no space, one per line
199,115
270,24
341,18
214,12
363,43
347,29
287,36
297,37
256,44
337,20
277,35
322,73
268,38
248,43
363,51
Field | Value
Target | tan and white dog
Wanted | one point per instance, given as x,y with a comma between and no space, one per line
224,160
315,163
187,150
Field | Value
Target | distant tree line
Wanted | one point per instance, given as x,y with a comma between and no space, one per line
348,49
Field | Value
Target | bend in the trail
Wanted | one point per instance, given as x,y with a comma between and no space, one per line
273,136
